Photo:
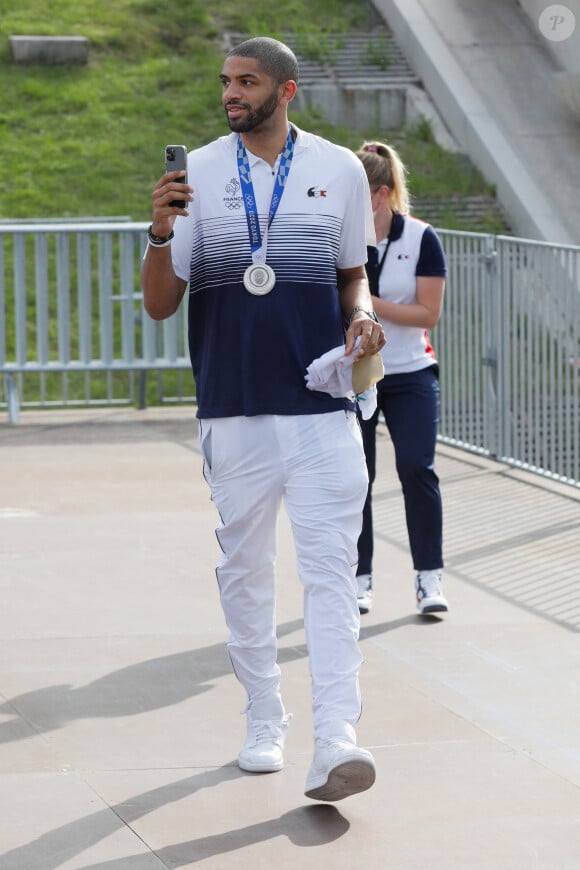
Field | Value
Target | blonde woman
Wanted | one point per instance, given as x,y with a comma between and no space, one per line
407,273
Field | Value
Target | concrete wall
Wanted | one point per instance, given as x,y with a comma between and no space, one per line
561,36
365,106
357,106
50,49
472,123
566,52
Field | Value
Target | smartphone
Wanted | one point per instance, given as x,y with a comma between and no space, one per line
176,158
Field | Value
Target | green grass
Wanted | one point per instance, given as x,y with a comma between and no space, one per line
89,140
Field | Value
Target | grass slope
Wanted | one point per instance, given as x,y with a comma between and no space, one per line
89,140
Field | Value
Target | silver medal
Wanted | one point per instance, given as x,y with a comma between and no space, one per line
259,279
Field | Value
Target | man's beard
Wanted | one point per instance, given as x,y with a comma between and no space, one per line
254,117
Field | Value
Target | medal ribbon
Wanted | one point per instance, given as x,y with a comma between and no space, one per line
257,244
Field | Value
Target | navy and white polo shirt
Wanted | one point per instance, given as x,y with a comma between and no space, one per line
250,353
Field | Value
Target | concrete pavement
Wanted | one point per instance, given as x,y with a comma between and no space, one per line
119,716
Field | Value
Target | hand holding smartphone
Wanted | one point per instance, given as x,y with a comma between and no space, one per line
176,158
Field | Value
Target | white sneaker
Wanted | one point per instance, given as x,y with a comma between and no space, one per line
339,769
364,592
263,750
430,597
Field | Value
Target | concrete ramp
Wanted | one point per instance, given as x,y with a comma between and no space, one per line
495,84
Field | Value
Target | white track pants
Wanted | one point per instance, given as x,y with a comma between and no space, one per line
316,463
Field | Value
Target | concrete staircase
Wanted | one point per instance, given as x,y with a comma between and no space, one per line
372,57
467,213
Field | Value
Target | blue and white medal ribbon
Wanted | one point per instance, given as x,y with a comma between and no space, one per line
259,278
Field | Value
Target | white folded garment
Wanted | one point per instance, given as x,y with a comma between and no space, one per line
332,373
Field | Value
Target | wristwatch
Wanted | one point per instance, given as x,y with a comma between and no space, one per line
370,314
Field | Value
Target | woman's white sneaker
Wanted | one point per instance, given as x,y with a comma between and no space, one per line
430,599
364,595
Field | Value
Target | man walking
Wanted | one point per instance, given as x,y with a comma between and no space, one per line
273,245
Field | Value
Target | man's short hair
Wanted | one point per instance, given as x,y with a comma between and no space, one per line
276,59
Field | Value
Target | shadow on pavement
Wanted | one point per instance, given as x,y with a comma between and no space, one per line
305,827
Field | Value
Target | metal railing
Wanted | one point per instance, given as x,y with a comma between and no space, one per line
73,331
509,347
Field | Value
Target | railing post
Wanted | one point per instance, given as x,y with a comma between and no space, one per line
142,390
490,329
12,399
